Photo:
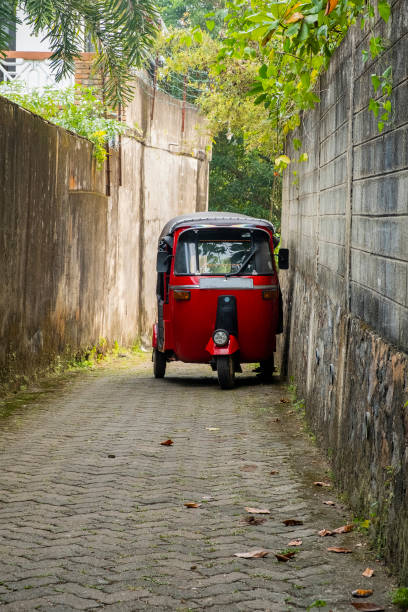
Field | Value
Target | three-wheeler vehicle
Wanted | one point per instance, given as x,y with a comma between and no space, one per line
218,294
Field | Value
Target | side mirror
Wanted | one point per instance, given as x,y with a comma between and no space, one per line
163,261
283,259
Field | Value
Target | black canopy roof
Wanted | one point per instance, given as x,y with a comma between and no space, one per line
223,219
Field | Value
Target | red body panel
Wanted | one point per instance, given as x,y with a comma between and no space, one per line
231,348
154,336
189,324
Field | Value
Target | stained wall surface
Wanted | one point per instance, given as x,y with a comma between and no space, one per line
345,221
77,265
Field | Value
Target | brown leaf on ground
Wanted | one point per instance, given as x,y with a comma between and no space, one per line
167,443
273,472
329,503
257,510
326,532
319,483
362,593
368,572
248,468
252,520
292,522
192,505
285,557
367,606
344,529
284,400
335,549
295,543
253,554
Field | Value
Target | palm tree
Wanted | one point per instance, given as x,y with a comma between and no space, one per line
121,32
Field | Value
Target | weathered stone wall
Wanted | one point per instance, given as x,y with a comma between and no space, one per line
76,265
345,221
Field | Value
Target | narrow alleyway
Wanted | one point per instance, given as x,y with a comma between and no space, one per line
92,506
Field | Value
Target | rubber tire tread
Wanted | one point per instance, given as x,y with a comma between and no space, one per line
268,368
225,372
159,363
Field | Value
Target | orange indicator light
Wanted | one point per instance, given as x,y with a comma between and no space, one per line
181,296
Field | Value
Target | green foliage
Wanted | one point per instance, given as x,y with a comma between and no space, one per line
400,598
223,97
243,181
241,173
121,31
74,108
205,14
295,41
318,603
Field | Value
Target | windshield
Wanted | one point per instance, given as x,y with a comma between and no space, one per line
220,251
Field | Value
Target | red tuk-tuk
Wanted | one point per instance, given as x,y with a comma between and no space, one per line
218,294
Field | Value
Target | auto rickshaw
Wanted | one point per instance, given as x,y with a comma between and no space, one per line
218,294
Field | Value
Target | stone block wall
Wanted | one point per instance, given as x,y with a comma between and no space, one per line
76,265
345,221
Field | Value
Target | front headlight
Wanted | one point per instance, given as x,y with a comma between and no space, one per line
220,337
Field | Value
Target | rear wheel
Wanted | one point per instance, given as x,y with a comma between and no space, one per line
226,372
267,369
159,363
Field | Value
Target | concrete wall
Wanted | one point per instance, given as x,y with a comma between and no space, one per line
75,264
346,223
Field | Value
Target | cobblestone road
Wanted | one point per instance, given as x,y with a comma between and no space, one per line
92,506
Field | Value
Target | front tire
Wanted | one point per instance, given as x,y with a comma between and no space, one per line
226,372
159,363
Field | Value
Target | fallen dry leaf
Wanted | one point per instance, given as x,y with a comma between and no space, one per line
326,532
212,428
253,554
344,529
339,550
248,468
368,607
192,505
329,503
319,483
362,593
167,443
330,6
368,572
273,472
257,510
252,520
285,557
295,543
284,400
277,420
292,522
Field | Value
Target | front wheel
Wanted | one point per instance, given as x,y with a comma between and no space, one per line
226,372
159,363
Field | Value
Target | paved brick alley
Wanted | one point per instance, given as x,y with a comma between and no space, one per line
92,506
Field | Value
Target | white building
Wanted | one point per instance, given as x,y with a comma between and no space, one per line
28,60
